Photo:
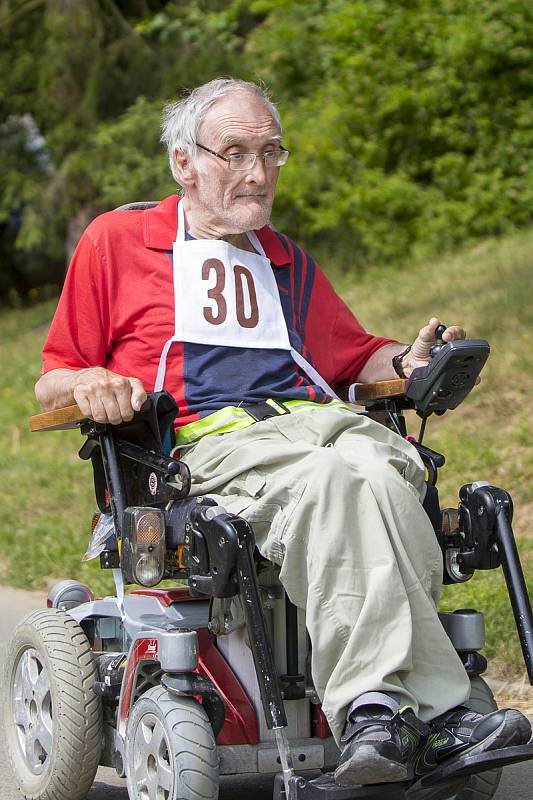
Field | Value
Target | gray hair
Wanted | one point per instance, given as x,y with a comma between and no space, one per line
182,119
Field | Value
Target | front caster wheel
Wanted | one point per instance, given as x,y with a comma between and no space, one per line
170,749
52,717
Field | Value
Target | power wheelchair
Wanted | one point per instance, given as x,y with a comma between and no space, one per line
176,686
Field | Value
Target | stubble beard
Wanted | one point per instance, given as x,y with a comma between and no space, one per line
248,219
237,218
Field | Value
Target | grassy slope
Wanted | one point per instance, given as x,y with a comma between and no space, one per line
48,499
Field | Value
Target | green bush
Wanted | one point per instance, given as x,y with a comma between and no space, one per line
410,121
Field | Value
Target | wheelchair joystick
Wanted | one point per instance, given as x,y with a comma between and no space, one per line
439,341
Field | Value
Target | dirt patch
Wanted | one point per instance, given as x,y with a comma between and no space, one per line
523,526
514,696
510,690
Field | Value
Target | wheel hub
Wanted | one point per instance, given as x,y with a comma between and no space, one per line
32,710
153,767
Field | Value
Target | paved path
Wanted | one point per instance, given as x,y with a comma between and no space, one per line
517,782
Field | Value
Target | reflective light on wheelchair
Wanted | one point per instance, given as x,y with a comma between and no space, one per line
32,710
145,534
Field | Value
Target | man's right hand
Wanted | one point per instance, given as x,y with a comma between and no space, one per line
106,396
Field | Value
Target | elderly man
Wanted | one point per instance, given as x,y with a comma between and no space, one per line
199,295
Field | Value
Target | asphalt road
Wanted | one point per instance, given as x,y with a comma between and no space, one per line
517,781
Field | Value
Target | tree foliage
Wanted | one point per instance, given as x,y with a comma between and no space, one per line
410,121
413,120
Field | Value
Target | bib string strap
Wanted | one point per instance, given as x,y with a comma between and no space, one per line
180,233
161,370
311,372
254,241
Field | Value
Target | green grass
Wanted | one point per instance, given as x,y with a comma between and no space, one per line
47,490
48,499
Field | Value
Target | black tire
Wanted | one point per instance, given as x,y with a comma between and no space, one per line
52,717
170,749
484,785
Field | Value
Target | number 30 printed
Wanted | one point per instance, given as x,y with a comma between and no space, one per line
241,276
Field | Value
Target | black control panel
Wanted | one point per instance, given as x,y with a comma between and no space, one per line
449,377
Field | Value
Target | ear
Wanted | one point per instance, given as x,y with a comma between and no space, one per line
184,168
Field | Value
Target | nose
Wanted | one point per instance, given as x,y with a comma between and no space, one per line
258,173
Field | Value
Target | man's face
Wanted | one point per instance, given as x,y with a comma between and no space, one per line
227,201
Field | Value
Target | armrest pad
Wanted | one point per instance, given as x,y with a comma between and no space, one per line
59,419
365,393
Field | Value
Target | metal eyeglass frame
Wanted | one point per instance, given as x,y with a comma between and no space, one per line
283,154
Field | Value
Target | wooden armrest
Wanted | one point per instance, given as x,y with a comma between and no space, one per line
58,420
370,392
69,417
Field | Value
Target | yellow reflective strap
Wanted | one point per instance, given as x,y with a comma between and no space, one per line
229,418
303,405
233,418
276,405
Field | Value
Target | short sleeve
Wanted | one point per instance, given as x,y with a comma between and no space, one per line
338,343
79,336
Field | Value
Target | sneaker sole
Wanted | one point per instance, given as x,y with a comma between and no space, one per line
367,766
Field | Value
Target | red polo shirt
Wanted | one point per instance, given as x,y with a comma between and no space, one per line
117,310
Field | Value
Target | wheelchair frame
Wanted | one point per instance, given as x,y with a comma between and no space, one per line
214,552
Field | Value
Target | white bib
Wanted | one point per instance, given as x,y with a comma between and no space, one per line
223,296
228,297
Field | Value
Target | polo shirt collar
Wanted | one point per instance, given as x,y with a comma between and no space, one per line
161,221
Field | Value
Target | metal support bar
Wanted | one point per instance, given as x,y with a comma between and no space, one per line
291,637
396,417
115,483
287,766
516,586
269,687
293,682
256,625
431,459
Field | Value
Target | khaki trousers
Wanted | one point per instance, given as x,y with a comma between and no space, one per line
334,498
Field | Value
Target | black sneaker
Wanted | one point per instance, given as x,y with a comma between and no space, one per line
460,732
378,746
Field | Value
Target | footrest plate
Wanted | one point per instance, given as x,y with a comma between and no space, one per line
440,784
325,788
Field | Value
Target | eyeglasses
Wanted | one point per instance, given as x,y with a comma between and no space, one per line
242,161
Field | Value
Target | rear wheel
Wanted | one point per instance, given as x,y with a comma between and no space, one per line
52,717
484,785
171,752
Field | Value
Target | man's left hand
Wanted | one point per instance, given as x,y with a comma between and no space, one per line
419,354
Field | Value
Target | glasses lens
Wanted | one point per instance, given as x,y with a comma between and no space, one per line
276,158
241,160
272,158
